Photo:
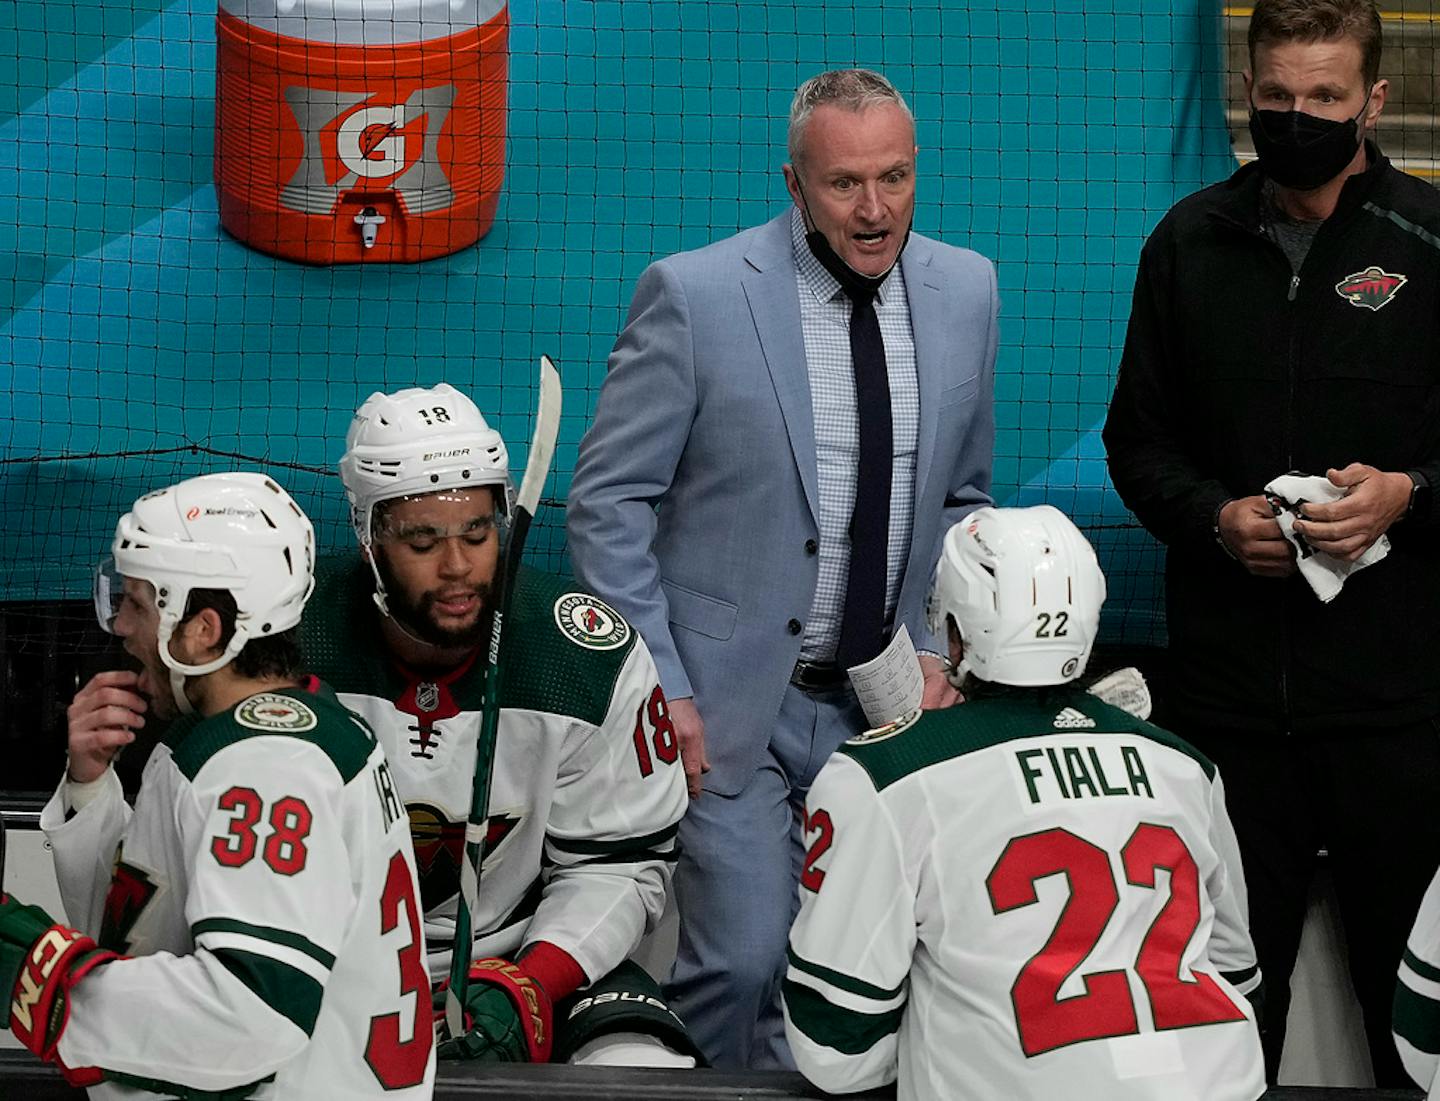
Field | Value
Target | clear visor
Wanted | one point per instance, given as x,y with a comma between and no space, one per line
109,591
475,527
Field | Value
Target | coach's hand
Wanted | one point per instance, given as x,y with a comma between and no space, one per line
939,692
103,718
1347,528
690,729
1250,532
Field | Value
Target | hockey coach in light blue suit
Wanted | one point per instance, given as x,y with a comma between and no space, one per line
791,420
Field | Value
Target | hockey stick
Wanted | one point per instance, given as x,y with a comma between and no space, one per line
537,469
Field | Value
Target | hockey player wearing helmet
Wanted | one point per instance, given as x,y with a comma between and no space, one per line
982,911
250,927
587,789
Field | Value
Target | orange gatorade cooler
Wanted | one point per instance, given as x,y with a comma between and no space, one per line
359,130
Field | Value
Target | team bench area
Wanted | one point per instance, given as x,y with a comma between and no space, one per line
21,1077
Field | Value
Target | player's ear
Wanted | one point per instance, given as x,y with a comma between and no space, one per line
202,633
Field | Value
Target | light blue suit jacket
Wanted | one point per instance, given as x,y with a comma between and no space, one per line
694,495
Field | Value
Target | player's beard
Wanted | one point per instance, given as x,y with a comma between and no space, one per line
417,617
154,683
155,687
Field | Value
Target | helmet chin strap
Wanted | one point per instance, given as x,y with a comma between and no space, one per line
180,672
382,602
956,674
177,691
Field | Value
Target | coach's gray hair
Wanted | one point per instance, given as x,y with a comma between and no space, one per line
852,89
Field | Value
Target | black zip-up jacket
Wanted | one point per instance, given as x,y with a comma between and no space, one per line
1235,372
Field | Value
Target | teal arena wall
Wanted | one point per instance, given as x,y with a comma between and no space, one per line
140,344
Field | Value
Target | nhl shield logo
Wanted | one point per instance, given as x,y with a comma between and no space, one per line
590,623
1372,288
427,696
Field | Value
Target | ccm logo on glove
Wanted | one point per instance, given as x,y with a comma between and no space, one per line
39,965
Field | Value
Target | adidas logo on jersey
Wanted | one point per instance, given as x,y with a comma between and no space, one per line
1071,719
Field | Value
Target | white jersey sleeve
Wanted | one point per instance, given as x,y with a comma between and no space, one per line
1231,951
84,848
851,946
266,897
1417,996
267,904
610,837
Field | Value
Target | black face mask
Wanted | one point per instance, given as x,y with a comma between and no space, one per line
1303,151
850,280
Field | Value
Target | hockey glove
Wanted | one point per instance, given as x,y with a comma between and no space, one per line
508,1017
40,962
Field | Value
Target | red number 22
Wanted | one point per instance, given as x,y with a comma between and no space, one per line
812,877
1105,1009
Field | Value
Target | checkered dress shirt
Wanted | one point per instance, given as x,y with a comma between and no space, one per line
825,321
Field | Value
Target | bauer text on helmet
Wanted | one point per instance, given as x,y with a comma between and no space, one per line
1024,589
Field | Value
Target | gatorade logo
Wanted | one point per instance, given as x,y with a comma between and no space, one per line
354,139
370,142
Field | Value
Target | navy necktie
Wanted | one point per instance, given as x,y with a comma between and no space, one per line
862,627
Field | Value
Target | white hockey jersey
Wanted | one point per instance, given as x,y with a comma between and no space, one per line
1028,896
265,887
1417,996
588,789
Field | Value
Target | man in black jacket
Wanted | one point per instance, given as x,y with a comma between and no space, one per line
1286,320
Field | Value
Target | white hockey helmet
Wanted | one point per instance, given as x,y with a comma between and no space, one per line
236,531
418,441
1025,590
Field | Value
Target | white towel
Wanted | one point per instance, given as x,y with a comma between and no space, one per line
1325,573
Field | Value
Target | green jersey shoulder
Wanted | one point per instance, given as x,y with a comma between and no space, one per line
890,753
564,649
316,717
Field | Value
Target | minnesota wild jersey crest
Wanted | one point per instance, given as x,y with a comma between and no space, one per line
440,848
272,711
589,622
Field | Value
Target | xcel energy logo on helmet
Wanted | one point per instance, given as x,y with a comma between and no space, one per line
1372,288
359,139
195,512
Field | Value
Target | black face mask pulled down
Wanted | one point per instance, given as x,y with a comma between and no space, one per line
850,280
1303,151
